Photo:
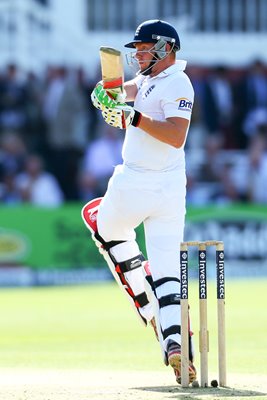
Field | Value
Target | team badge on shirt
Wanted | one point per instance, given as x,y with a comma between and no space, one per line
184,104
149,90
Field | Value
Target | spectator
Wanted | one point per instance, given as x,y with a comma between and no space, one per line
54,118
218,107
212,184
257,181
101,156
251,94
255,124
35,133
196,140
9,194
256,128
87,86
12,154
65,111
13,99
38,187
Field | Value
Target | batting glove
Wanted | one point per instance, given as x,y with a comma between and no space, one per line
102,98
117,95
121,116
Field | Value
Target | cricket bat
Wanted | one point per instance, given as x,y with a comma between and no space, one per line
112,69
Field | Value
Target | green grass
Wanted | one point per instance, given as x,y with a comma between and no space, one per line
93,325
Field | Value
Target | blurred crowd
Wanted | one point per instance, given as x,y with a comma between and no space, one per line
55,148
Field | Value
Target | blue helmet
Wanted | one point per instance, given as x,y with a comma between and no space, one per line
152,31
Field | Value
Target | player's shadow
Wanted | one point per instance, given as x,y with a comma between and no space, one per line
198,393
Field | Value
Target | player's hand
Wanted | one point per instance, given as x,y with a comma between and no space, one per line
117,95
102,98
121,116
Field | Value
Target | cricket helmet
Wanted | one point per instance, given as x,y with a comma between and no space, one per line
152,31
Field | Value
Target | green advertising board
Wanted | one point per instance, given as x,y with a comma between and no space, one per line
43,238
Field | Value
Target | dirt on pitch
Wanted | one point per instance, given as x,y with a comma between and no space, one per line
119,385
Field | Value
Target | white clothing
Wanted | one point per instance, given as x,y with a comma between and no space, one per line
53,97
157,200
223,96
169,94
150,186
102,156
44,190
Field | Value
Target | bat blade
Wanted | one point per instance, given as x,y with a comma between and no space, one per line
112,68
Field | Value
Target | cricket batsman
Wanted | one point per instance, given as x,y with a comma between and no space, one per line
150,186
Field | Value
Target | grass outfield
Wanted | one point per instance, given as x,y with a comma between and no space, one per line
77,327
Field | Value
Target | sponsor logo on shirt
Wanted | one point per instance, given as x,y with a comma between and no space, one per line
184,104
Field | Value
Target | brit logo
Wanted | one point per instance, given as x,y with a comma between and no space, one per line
184,104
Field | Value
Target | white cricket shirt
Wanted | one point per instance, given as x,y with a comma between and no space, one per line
169,94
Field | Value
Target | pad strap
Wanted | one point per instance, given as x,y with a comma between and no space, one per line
169,300
141,300
107,245
132,263
161,281
150,281
172,330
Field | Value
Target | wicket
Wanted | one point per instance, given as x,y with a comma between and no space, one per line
203,331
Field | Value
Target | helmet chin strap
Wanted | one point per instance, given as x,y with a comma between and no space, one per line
148,70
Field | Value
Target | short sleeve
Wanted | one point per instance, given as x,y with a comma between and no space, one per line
179,98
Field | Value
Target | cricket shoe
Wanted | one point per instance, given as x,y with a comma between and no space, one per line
174,359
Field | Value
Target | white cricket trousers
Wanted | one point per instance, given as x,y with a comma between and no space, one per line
155,198
158,200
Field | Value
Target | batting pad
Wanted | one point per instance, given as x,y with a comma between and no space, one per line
89,216
155,304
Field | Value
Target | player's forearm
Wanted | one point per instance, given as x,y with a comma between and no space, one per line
131,90
171,131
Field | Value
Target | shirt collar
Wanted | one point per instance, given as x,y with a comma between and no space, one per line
178,66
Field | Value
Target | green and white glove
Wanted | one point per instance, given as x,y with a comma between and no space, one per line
121,116
102,98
